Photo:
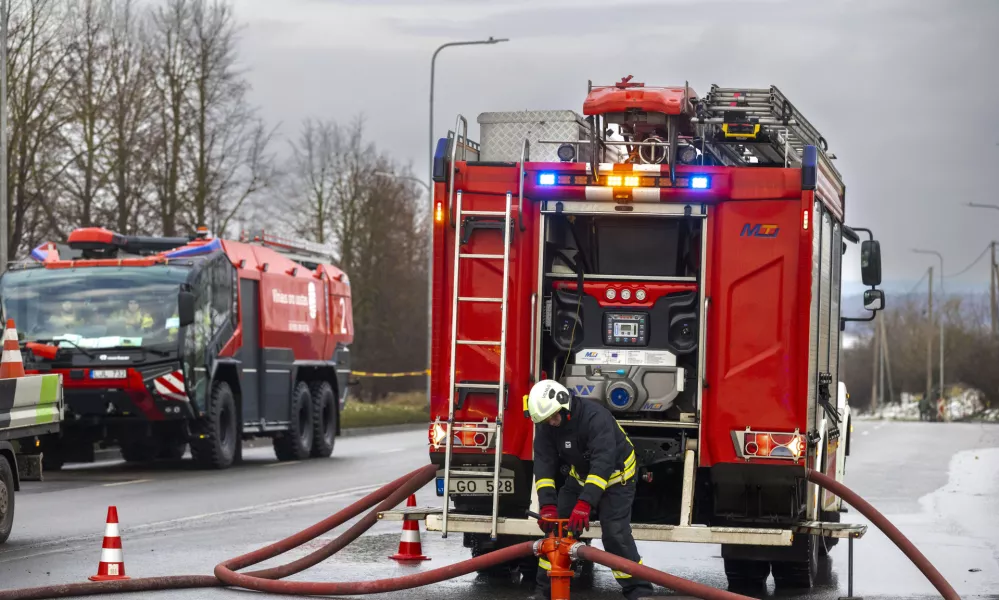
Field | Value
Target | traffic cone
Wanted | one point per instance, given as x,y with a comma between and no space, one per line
112,565
11,365
410,547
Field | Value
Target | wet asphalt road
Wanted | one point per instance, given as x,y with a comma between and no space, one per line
939,483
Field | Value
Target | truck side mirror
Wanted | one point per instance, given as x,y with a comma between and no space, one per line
185,308
870,263
874,300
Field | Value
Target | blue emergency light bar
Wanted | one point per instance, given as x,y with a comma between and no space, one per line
696,182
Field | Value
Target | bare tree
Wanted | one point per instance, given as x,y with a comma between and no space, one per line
131,136
229,145
173,76
312,177
36,67
86,128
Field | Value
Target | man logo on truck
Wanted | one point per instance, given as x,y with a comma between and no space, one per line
759,230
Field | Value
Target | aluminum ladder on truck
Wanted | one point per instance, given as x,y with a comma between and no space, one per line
457,300
762,122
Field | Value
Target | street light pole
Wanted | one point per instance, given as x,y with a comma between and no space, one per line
430,186
404,178
940,313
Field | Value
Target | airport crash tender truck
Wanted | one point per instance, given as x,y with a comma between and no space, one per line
30,406
163,342
677,259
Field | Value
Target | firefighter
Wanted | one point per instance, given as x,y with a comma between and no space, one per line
67,319
601,459
136,319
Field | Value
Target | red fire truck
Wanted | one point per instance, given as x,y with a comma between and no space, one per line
165,342
676,258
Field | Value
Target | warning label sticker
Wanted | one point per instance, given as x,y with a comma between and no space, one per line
648,358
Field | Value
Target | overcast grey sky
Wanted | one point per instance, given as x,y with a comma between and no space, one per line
905,91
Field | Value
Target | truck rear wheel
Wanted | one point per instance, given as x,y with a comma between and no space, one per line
324,417
218,448
6,499
798,574
296,443
746,574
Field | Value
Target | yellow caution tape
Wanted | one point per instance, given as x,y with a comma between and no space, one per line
406,374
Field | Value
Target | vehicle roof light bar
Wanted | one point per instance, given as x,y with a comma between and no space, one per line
281,243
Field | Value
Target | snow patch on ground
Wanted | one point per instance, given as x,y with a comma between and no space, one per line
965,406
971,493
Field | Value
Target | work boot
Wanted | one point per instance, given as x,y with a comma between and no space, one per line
541,594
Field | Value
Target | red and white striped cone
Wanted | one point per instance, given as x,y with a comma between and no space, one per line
11,365
410,548
112,566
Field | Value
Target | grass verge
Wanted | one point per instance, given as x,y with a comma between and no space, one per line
397,409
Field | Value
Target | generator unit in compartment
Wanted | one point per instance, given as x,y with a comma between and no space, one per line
626,389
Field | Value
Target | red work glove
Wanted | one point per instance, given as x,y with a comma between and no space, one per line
580,518
548,511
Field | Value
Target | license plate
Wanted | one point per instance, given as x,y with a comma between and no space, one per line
108,374
474,486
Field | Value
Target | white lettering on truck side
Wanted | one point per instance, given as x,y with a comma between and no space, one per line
280,297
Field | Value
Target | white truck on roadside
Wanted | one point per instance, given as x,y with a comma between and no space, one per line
30,406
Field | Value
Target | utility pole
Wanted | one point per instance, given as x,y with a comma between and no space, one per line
994,313
875,364
929,340
887,361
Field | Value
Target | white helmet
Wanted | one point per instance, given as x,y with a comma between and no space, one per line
547,397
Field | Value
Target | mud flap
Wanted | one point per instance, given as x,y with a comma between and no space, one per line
29,467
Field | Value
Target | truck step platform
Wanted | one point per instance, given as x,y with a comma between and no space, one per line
464,523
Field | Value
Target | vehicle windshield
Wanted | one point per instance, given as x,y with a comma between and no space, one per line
94,307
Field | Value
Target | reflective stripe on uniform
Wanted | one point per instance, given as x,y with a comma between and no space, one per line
543,483
622,574
544,564
630,468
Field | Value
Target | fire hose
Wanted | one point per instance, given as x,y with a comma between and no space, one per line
390,496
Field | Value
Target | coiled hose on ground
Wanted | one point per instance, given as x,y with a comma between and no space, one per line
390,496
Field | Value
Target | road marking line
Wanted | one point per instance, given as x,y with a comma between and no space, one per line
283,463
125,482
394,450
160,526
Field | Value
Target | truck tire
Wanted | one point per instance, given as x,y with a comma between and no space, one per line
799,575
746,574
6,499
218,448
296,443
324,419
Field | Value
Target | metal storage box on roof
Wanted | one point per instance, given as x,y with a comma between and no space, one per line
502,134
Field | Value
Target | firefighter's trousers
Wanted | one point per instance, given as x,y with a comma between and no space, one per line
614,514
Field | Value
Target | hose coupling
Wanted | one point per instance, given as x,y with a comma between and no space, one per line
574,550
537,547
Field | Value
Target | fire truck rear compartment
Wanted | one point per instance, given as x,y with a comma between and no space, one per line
629,340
